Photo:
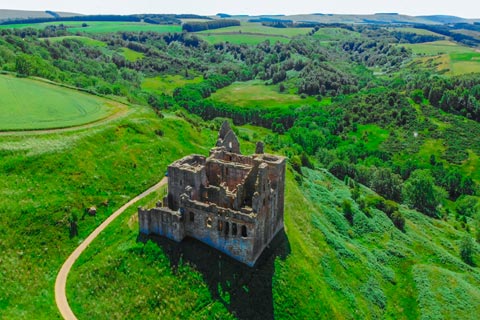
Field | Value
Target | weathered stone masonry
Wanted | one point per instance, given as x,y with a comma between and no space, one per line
229,201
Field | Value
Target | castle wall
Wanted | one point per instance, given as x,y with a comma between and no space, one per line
231,202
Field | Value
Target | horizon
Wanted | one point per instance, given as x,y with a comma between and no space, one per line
460,8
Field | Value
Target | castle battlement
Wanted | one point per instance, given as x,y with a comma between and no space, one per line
229,201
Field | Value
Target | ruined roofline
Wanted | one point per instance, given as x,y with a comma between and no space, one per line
193,162
247,216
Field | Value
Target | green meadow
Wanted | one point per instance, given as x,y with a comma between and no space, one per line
31,104
85,40
255,93
167,83
131,55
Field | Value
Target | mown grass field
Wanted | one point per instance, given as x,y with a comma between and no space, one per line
168,83
30,104
101,26
256,94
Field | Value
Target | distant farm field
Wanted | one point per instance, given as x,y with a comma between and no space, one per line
259,29
251,33
437,47
29,104
250,39
256,94
101,26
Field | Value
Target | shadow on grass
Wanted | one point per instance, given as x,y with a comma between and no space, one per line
245,291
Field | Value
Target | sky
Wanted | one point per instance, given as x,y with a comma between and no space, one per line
462,8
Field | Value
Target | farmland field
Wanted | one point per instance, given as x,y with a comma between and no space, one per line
29,104
437,47
259,29
255,93
250,39
251,33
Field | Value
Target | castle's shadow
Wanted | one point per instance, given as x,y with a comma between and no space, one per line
245,291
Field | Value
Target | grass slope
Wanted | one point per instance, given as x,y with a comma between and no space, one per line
167,83
325,268
46,179
30,104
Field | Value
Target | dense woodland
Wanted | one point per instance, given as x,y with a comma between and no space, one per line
317,134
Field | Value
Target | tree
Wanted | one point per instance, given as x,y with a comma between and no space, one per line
420,193
466,250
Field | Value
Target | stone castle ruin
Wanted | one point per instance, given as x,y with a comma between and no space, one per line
229,201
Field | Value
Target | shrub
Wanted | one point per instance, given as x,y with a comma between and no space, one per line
398,220
347,211
466,250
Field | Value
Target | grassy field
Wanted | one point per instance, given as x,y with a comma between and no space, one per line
166,84
256,94
131,55
31,104
101,26
85,40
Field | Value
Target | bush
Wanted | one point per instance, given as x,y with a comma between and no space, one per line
466,250
398,220
347,211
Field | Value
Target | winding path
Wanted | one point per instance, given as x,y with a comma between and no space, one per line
61,281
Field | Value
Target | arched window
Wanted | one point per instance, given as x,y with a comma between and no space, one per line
234,229
209,222
192,216
220,225
244,231
227,228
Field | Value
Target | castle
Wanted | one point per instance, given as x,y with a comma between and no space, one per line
229,201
